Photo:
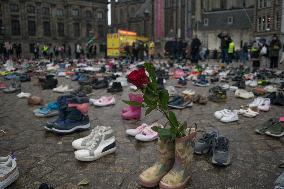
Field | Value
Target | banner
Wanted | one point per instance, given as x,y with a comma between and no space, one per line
159,21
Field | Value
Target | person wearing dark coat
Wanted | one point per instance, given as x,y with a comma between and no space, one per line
224,37
195,46
274,48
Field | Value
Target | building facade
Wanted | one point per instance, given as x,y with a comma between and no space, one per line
235,17
269,18
137,16
57,22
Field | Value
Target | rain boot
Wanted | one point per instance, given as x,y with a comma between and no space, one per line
166,156
179,175
134,111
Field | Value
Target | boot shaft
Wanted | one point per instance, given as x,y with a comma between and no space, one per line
166,152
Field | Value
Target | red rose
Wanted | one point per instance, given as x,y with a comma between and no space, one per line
138,78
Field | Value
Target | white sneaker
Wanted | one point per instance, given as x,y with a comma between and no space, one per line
171,90
265,105
83,143
188,92
24,95
221,113
101,145
9,173
230,117
138,130
247,113
270,89
233,88
256,102
63,89
241,93
225,86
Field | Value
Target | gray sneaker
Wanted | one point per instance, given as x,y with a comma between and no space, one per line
9,173
279,183
205,143
221,154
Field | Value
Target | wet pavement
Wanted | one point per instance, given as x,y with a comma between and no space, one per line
47,157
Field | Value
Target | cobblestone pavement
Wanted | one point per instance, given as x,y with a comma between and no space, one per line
46,157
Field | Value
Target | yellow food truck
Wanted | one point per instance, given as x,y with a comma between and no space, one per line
117,41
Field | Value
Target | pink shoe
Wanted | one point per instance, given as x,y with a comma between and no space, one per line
132,97
179,73
134,112
138,130
83,108
103,101
148,134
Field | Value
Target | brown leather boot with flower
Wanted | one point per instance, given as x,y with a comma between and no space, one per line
179,175
166,156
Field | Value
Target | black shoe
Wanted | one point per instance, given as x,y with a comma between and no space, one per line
100,84
160,82
45,186
214,79
240,84
115,88
49,83
103,69
25,77
182,81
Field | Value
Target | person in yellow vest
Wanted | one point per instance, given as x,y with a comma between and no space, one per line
231,50
151,50
45,50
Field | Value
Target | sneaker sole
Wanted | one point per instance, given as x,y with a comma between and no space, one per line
274,135
97,157
12,178
79,127
181,186
220,164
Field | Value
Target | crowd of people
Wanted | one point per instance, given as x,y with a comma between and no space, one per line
14,50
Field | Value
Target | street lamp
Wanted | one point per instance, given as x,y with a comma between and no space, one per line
146,15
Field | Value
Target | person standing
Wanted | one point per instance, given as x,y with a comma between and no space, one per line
255,52
231,50
274,48
195,46
244,53
152,50
78,51
18,50
224,46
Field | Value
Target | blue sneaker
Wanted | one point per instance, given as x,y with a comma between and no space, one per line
74,121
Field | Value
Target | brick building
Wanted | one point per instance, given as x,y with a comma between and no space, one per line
52,22
269,18
134,16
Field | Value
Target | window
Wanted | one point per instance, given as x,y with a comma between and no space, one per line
31,9
45,11
31,28
268,3
100,15
263,23
101,31
230,20
268,23
14,8
277,21
88,29
60,29
260,4
75,12
205,22
59,12
46,29
259,24
88,14
15,27
76,28
264,3
1,28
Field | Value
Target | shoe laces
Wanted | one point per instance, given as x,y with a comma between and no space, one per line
222,144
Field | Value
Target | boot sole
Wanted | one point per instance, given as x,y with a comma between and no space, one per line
182,186
97,157
274,135
149,184
79,127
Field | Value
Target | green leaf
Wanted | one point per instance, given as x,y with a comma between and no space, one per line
133,103
164,99
173,120
151,70
149,110
164,133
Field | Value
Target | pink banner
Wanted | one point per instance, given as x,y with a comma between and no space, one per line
159,10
